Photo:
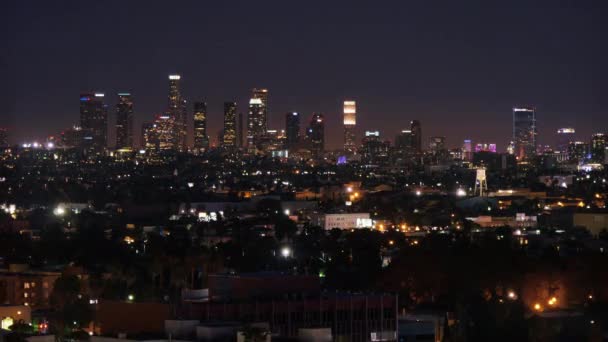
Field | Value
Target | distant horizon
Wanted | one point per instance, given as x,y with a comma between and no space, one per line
458,69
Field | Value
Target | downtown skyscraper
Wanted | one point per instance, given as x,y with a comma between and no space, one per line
316,134
524,132
94,122
292,129
229,136
350,121
257,120
124,121
201,139
416,131
177,111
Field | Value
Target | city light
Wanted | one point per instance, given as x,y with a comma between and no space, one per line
461,192
59,211
286,252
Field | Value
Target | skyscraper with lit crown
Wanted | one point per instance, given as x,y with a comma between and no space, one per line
201,140
524,132
177,110
257,120
350,121
124,121
94,122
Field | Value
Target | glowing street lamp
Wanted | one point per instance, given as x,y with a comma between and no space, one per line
286,252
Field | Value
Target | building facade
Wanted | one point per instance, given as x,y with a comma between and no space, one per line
524,132
124,121
94,122
201,139
350,122
229,137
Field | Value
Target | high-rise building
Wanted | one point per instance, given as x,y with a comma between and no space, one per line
149,138
292,129
374,151
564,137
598,148
524,132
258,117
577,151
94,121
201,140
485,147
124,121
416,130
467,150
164,133
177,110
350,122
436,144
316,134
72,137
3,137
229,136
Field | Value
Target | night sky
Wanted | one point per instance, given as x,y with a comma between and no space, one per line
458,66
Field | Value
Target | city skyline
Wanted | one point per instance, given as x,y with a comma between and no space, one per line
478,79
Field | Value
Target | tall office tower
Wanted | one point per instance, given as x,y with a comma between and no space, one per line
436,144
94,122
564,137
350,121
72,137
467,150
258,116
177,110
403,142
201,140
149,138
316,134
292,129
3,137
374,151
598,148
239,131
230,133
164,133
524,132
416,130
124,121
577,151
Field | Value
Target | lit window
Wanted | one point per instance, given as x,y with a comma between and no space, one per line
26,285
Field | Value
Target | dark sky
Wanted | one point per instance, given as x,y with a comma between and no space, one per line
458,66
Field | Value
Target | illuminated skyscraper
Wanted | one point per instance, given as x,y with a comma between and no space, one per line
524,132
467,150
350,121
316,134
258,116
416,130
564,137
149,138
177,110
124,121
292,128
598,148
164,133
230,133
201,140
94,122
